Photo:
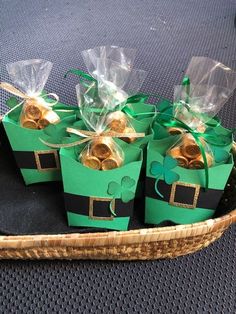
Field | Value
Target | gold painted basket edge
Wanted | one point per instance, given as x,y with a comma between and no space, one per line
140,244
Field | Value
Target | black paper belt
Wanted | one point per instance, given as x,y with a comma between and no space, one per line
182,194
41,160
97,208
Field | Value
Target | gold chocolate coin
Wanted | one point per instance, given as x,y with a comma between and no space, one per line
43,123
101,148
198,163
111,163
117,121
176,154
30,124
48,117
128,139
32,110
91,162
189,147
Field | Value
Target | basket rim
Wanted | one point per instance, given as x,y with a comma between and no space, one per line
112,238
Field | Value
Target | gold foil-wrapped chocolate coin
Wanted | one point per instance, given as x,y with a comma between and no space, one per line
129,139
48,117
198,163
32,110
90,161
189,147
111,163
43,123
117,121
176,154
28,123
102,147
175,131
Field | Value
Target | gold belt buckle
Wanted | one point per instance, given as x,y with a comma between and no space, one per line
39,153
100,199
172,201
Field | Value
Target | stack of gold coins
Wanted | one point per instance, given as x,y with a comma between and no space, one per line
36,116
188,154
101,155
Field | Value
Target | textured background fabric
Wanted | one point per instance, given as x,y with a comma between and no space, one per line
166,33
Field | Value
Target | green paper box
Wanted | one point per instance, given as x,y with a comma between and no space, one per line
37,162
143,116
142,124
179,195
92,196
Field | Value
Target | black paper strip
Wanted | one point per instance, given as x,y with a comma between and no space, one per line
207,199
26,160
79,204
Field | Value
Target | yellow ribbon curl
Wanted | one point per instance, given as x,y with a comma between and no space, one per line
90,135
14,91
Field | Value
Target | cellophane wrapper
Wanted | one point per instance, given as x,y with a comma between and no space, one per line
30,77
115,80
211,85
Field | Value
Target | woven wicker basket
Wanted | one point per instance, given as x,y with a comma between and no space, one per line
142,244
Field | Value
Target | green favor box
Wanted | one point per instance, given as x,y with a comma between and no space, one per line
142,124
101,199
177,194
37,162
143,116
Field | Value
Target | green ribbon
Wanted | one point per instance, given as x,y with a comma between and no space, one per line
186,84
83,75
138,98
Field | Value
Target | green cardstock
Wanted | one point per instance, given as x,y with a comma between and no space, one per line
144,114
83,181
28,140
157,210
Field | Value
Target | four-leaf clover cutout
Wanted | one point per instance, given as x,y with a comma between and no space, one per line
159,170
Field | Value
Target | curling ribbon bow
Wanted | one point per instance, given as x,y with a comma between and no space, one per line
90,135
14,91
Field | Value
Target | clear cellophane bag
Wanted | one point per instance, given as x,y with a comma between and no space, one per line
30,76
209,86
101,102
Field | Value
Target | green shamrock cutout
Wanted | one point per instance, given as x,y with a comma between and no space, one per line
121,190
158,170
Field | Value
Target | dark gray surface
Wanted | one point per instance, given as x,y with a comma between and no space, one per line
166,33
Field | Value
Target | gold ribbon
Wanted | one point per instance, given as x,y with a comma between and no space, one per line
14,91
90,135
